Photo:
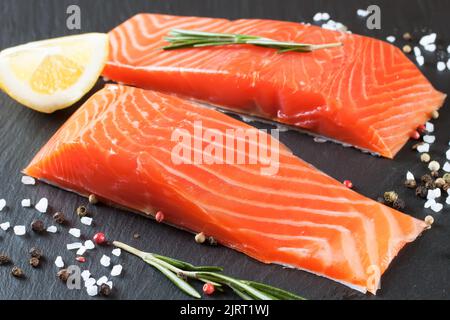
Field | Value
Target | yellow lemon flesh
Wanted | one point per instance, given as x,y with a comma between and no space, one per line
53,74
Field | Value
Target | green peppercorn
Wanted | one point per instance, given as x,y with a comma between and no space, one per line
93,199
446,177
390,196
81,211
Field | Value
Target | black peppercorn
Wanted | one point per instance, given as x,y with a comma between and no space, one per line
81,211
398,204
35,262
105,290
410,183
421,191
426,178
59,217
430,185
63,275
35,253
37,226
446,187
17,272
4,259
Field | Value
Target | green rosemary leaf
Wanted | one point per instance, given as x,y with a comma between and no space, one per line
240,293
180,283
273,291
186,266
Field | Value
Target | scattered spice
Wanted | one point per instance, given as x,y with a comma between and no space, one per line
105,290
348,184
136,236
81,259
439,182
407,48
434,174
4,259
407,36
415,135
426,178
212,241
159,216
416,145
37,226
208,288
35,253
429,220
411,183
430,185
59,217
35,262
446,187
99,238
63,275
422,128
93,199
421,191
200,237
390,196
425,157
17,272
435,114
434,166
81,211
446,177
398,204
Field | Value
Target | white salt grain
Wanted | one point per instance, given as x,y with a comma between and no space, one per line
75,232
429,138
59,262
440,66
28,180
424,147
317,16
430,48
437,207
446,167
85,275
92,291
102,280
391,39
429,203
2,204
19,230
448,49
88,244
448,64
89,282
428,39
42,205
434,193
116,252
362,13
325,16
448,200
420,60
116,270
105,261
74,245
447,154
429,127
409,176
52,229
86,220
5,226
81,251
26,203
417,52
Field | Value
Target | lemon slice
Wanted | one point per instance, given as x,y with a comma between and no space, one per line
53,74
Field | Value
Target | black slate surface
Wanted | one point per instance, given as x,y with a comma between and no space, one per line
421,271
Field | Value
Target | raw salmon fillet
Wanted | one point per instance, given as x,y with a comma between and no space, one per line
366,93
119,146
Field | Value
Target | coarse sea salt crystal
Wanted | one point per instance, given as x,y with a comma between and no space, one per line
317,16
89,282
85,275
19,230
42,205
424,147
430,47
75,232
391,39
429,203
409,176
428,39
429,127
28,180
420,60
325,16
86,220
448,49
417,52
448,200
448,64
88,244
434,193
440,66
81,251
92,291
429,138
437,207
5,226
52,229
102,280
116,270
362,13
73,246
59,262
116,252
2,204
446,167
105,261
447,154
26,203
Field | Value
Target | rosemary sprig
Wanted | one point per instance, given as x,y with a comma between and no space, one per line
180,38
179,272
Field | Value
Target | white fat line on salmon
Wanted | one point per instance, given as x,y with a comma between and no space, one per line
234,146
